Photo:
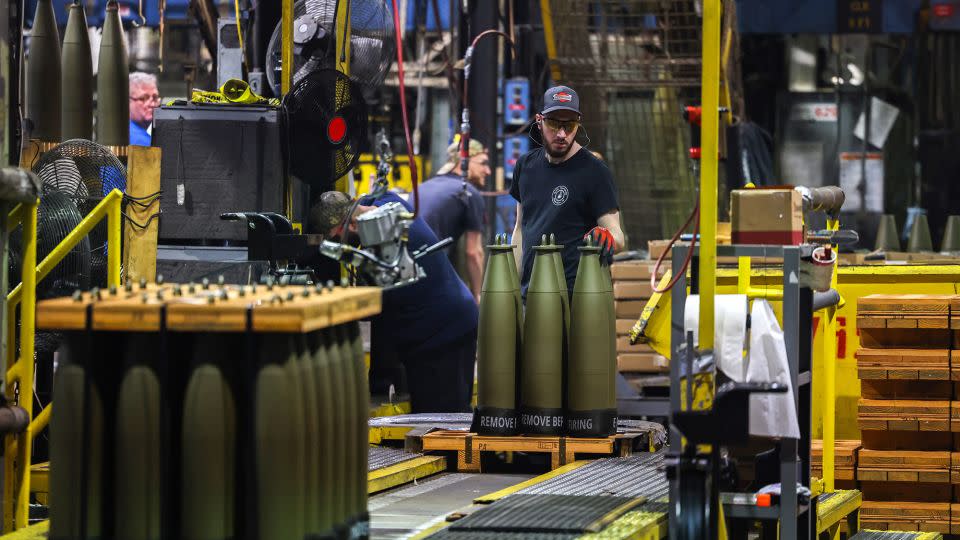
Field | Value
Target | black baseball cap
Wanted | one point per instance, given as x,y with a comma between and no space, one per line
560,98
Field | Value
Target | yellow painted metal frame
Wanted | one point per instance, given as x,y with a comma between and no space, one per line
546,13
404,472
19,376
844,505
829,319
709,144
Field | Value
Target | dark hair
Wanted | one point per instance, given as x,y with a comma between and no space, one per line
328,212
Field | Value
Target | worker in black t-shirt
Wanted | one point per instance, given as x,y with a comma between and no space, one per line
562,189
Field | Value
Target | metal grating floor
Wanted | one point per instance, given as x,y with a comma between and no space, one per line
636,476
382,457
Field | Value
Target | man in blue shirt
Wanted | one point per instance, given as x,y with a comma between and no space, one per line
144,98
430,327
453,209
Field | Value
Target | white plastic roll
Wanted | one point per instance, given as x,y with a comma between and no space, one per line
729,331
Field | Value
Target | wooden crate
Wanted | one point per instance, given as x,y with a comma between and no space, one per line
909,516
943,441
563,450
906,389
908,415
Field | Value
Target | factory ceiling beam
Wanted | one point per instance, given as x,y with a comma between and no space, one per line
206,14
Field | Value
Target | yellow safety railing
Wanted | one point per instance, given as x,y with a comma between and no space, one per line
20,369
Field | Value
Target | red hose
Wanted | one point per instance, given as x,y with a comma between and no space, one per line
403,109
686,261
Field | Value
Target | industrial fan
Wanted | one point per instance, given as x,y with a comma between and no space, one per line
372,45
326,127
81,172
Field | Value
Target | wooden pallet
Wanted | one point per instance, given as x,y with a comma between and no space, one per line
911,516
908,415
563,450
196,308
844,462
907,364
906,466
893,321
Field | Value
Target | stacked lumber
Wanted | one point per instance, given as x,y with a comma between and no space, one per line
631,290
844,462
909,412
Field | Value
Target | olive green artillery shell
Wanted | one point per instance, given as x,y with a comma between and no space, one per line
329,437
562,280
113,83
43,75
208,446
352,329
356,504
592,363
499,333
342,396
76,67
66,456
279,440
308,386
611,310
137,443
543,336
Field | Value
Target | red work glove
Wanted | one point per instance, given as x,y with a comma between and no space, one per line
603,239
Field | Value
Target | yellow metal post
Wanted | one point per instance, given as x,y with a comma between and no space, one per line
547,15
709,132
829,325
286,84
24,441
114,226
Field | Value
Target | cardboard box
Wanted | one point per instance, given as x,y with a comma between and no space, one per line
632,290
642,362
629,309
635,270
766,216
624,326
624,346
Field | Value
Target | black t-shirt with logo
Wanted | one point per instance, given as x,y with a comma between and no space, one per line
563,199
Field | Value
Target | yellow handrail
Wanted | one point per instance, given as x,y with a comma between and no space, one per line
20,370
709,135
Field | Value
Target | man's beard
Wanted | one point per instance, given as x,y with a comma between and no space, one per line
553,152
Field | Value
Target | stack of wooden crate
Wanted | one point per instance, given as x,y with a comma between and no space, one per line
631,290
909,416
844,462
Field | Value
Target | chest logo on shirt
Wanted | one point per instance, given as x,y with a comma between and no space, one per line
560,195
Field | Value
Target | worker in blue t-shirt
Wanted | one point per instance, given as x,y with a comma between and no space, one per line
430,327
144,98
454,208
562,189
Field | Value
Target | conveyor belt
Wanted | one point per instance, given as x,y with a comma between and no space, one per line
382,457
548,514
636,476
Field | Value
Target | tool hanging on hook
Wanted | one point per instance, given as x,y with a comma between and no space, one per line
465,115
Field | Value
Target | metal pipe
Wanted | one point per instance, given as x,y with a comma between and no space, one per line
13,419
114,226
709,132
830,377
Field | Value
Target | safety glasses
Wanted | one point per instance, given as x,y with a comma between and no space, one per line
569,126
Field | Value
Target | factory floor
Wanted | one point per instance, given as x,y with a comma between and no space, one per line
402,511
